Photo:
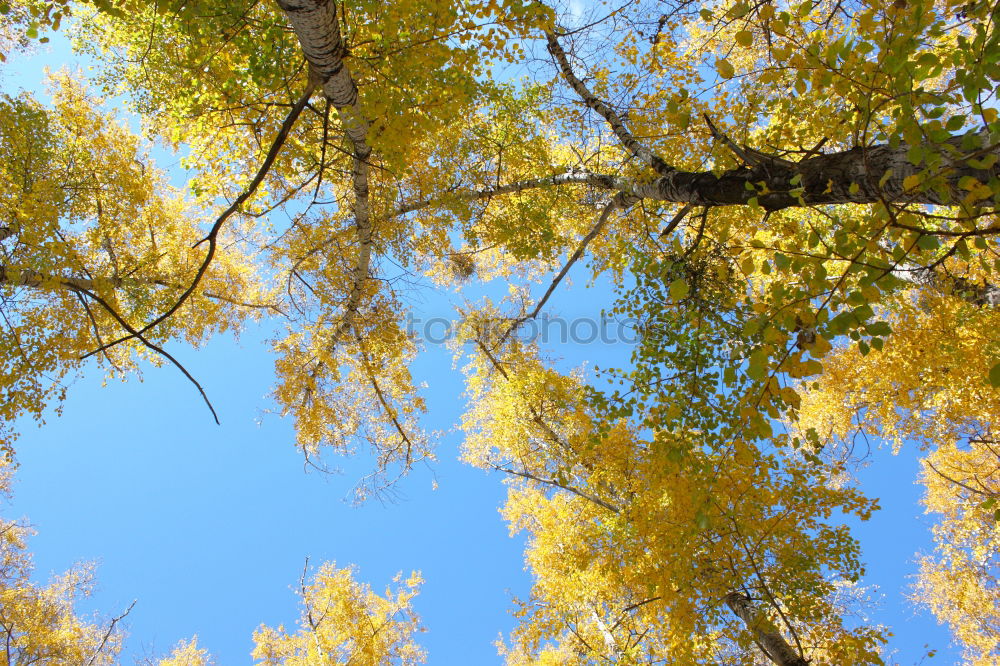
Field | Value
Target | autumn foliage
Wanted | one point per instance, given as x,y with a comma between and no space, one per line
796,201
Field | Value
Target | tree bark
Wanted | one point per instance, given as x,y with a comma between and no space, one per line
941,280
764,632
861,175
315,24
29,278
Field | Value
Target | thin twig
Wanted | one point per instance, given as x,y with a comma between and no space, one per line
107,634
617,202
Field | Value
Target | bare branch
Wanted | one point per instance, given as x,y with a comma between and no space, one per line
565,486
619,201
107,634
643,153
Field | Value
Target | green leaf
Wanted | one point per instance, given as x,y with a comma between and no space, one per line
955,123
878,328
757,368
726,70
679,289
984,163
839,324
863,312
928,242
995,376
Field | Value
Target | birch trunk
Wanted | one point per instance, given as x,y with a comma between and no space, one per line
315,24
764,632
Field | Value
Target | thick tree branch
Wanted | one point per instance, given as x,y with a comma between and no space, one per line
856,176
862,175
576,177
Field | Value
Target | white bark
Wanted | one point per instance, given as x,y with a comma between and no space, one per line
767,636
315,24
641,151
940,280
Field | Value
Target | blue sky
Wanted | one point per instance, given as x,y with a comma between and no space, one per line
208,526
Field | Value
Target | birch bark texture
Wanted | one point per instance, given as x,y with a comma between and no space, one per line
318,30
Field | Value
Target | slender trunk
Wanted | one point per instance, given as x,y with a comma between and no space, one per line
941,280
315,24
764,632
29,278
614,654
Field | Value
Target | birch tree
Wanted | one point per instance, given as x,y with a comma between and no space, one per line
781,193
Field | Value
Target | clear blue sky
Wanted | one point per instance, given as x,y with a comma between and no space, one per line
208,526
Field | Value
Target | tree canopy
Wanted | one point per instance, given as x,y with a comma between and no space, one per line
795,203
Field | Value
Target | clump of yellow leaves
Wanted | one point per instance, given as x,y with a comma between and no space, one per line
637,534
187,653
95,241
345,622
928,387
960,580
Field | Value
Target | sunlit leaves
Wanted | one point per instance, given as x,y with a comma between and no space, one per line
346,622
92,237
770,327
